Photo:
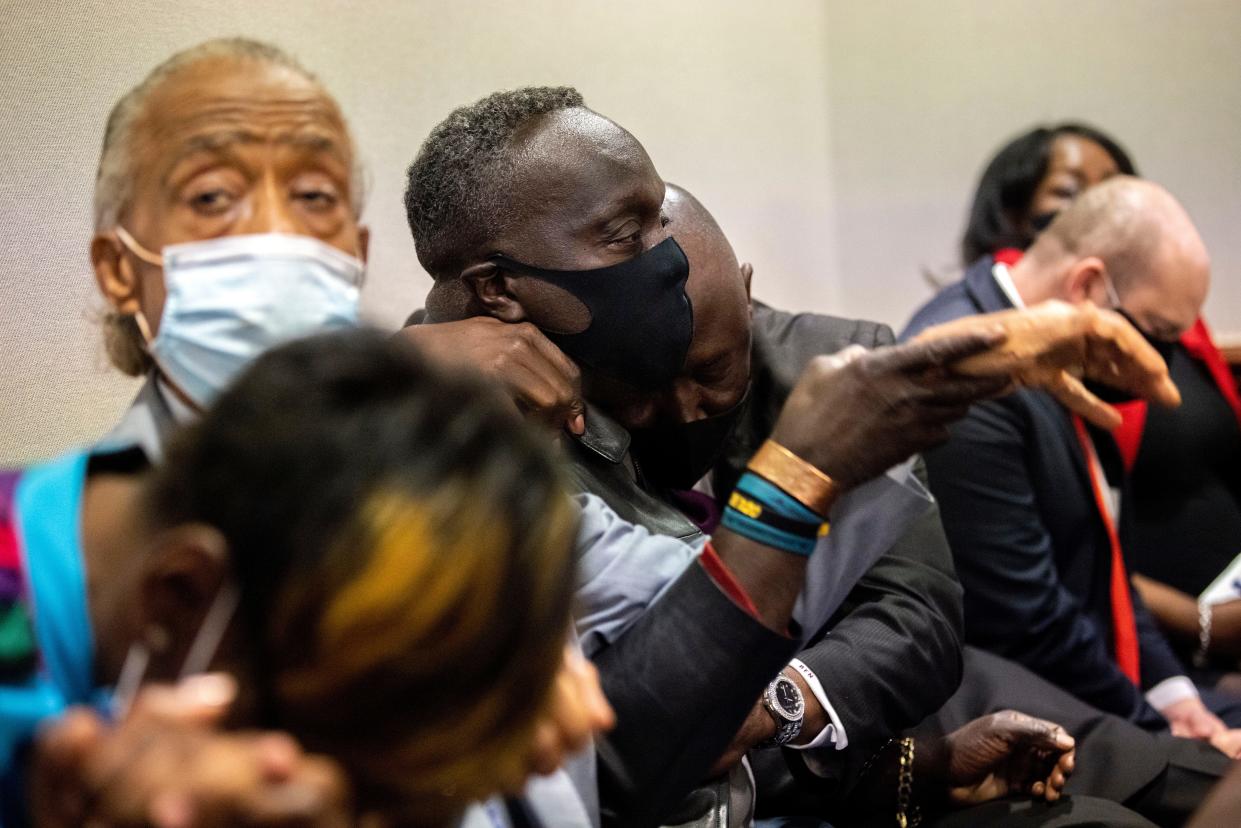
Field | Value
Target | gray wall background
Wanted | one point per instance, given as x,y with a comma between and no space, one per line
837,142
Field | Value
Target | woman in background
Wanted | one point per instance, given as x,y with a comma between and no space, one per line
1029,180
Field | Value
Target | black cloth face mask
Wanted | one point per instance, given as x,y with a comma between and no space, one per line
641,320
676,456
1163,347
1042,221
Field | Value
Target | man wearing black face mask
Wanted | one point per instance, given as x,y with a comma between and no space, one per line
584,205
1032,499
521,206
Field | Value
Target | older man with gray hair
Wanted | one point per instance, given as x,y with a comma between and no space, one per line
227,162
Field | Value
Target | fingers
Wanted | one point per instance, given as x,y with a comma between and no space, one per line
546,397
1121,356
1070,391
58,791
576,711
201,700
546,380
316,796
602,716
1228,742
940,352
952,390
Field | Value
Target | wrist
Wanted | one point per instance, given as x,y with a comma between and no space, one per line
786,706
766,513
798,477
814,719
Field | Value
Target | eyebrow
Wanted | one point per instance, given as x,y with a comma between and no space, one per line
223,139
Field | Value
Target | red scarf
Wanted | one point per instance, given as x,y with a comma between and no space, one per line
1197,341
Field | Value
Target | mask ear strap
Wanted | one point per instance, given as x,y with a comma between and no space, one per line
133,670
211,633
138,250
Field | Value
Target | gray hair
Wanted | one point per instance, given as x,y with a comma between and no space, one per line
114,179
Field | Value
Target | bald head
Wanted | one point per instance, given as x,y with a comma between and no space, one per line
1125,239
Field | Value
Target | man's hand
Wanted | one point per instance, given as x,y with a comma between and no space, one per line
1053,345
166,765
856,413
1002,754
1190,719
1227,742
575,712
544,383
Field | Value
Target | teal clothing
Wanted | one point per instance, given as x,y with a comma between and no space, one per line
42,526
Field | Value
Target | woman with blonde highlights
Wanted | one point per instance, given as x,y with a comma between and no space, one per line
380,555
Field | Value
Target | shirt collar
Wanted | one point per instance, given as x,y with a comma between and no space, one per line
149,420
999,271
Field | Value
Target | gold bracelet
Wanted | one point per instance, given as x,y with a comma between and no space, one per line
906,817
803,481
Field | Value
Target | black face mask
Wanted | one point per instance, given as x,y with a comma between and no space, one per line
1165,348
1042,221
641,320
1115,396
676,456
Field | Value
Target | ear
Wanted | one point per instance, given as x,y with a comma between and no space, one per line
183,575
491,286
747,275
1087,282
364,242
115,274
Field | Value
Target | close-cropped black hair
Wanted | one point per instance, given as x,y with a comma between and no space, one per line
1010,180
454,195
303,462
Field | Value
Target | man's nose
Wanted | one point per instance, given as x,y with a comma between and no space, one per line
686,401
271,212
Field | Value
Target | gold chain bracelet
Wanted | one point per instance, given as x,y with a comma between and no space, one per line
906,816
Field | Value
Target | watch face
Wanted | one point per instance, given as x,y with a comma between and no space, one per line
787,698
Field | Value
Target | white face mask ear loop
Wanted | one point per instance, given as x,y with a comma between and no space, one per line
133,670
211,633
202,650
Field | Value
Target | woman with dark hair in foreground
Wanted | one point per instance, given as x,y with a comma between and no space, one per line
378,553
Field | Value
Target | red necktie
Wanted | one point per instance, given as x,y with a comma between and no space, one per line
1124,628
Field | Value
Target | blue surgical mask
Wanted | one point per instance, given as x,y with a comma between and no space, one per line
229,299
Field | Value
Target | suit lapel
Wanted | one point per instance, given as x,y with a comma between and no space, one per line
987,297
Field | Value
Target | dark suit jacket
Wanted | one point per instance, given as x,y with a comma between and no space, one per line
1030,546
893,654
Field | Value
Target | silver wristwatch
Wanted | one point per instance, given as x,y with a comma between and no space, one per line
785,704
